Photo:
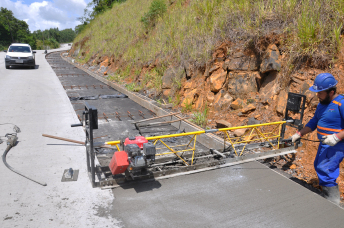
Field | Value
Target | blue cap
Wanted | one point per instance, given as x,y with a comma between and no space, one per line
323,82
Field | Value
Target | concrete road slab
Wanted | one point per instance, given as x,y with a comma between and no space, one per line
35,100
248,195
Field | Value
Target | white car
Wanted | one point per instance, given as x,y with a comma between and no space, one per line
20,55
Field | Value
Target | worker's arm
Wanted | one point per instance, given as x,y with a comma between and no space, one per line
305,131
310,126
340,135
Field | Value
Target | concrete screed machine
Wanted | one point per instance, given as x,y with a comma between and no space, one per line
137,158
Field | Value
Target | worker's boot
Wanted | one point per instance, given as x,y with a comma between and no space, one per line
331,194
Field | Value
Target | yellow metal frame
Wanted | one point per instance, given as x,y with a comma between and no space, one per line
258,136
275,133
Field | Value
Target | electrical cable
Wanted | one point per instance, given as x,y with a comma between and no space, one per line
11,142
310,140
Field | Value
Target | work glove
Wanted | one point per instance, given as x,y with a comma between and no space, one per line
330,140
295,137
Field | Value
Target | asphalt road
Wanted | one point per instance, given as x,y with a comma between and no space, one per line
249,195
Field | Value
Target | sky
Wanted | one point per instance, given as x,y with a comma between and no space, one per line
46,14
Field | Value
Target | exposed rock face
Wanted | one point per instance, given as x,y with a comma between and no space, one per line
169,75
241,62
222,102
271,61
242,83
189,97
269,87
217,80
200,102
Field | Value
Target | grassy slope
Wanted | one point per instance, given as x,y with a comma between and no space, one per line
190,30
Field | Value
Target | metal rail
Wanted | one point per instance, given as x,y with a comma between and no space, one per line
234,141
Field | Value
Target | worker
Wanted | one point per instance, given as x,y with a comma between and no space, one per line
328,119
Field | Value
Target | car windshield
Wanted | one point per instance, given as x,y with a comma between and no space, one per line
25,49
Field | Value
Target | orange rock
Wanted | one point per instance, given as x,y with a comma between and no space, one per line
222,124
189,97
239,132
105,63
237,104
217,97
188,85
293,166
166,92
281,102
222,102
210,97
217,80
200,102
248,108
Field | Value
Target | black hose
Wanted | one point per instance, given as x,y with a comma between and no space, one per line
9,146
310,140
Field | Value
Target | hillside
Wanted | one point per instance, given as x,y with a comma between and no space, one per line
221,60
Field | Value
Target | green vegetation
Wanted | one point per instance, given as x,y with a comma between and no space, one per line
190,30
156,11
133,87
187,106
13,30
200,118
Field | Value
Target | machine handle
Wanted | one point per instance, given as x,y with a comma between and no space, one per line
76,125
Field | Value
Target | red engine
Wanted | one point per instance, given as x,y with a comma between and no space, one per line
138,140
136,158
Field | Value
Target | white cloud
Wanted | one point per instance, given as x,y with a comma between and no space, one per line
47,14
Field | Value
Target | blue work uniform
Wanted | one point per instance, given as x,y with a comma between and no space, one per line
328,119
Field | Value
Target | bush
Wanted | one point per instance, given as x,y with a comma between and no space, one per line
2,48
156,10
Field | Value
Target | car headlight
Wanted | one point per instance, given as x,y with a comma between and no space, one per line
8,57
30,57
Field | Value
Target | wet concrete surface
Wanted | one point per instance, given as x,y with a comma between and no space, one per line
248,195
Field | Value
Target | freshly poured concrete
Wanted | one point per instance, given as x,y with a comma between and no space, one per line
249,195
36,102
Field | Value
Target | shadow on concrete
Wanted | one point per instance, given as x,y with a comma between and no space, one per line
23,67
140,187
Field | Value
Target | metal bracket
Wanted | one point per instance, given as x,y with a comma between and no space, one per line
70,175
